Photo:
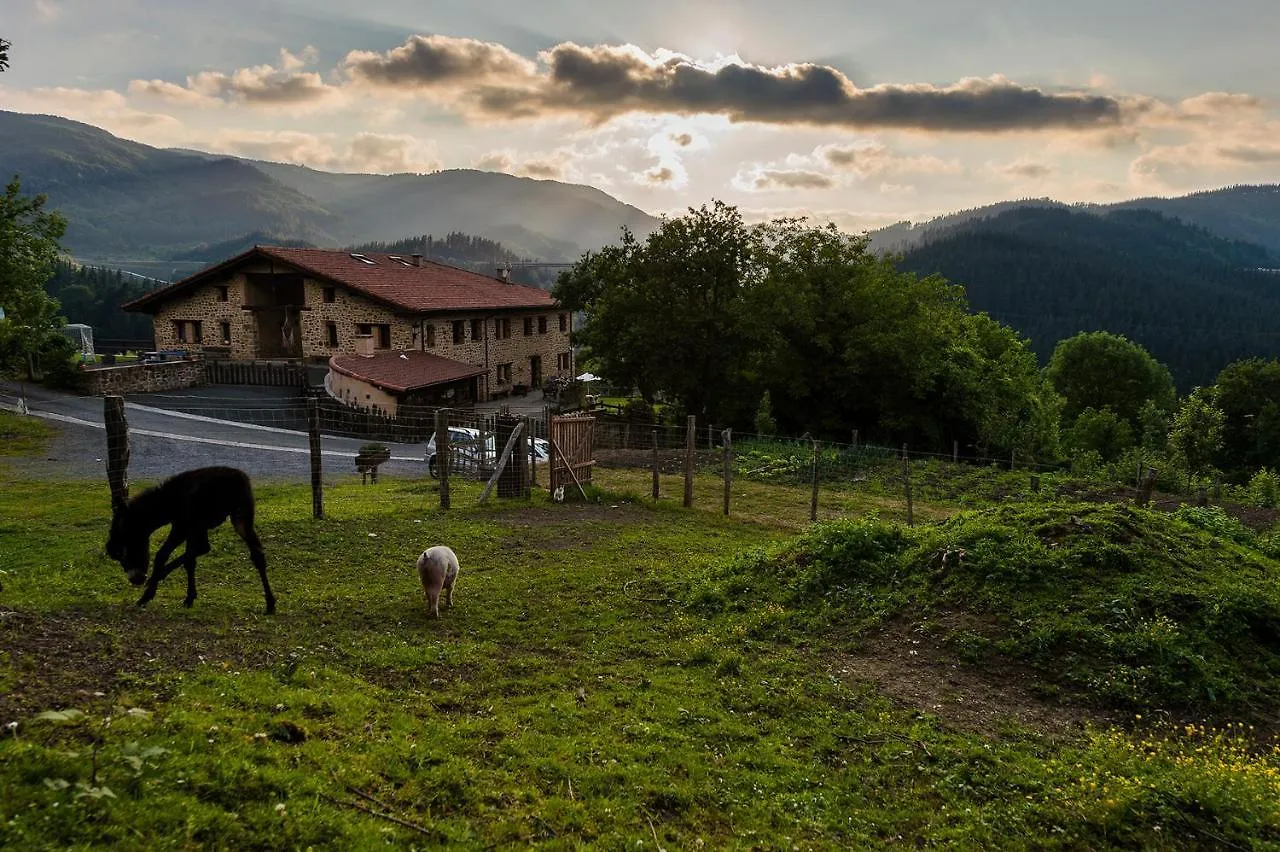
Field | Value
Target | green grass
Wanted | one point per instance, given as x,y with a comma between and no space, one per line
572,698
23,436
1116,605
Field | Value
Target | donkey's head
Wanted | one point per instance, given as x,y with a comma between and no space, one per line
128,547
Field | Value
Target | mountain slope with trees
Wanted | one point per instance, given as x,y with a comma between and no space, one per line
1195,301
126,200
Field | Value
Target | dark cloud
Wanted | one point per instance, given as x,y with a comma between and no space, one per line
1251,153
543,170
1034,171
427,61
659,175
767,179
262,85
603,82
550,167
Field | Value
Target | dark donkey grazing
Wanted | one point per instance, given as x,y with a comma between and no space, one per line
193,502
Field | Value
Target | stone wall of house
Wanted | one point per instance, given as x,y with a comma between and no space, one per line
515,350
142,378
349,310
204,305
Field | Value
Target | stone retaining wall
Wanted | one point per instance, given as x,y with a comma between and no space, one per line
142,378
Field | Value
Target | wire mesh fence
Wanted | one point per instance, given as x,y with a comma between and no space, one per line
783,479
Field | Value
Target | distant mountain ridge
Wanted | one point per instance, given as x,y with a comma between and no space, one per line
1195,300
124,199
1246,212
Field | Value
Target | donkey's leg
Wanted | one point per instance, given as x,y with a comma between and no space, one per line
197,545
244,529
175,537
160,569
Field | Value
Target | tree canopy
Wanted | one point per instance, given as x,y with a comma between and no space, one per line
1248,393
29,250
714,313
1097,369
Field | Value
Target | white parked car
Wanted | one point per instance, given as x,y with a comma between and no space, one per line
473,456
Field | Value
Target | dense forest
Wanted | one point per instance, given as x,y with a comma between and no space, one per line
1195,301
93,296
467,251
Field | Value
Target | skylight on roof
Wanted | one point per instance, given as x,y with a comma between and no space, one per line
400,260
363,258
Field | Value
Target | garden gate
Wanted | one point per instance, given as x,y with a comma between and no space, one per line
572,451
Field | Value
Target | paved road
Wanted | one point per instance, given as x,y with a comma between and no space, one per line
186,433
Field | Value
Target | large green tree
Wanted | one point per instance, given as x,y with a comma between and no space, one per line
1196,437
1248,392
29,250
716,313
667,314
1099,370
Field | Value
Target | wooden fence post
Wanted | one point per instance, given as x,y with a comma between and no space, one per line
655,465
728,468
117,450
711,438
1148,487
906,478
442,455
955,452
512,443
313,441
532,481
690,441
813,498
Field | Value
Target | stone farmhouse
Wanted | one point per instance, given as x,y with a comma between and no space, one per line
393,329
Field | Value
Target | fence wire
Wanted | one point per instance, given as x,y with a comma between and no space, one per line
770,476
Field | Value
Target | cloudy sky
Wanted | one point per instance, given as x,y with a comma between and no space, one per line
859,113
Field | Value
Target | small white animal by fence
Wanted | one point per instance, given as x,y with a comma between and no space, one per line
438,570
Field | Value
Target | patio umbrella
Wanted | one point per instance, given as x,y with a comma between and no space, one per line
588,377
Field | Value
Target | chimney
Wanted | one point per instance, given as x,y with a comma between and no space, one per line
364,345
504,272
417,259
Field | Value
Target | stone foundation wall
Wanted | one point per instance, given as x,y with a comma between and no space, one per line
142,378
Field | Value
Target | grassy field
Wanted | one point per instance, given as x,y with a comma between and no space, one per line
579,694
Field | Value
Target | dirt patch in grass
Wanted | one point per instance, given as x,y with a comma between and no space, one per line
569,513
1256,518
62,661
917,672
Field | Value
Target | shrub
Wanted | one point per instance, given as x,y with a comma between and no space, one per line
638,411
764,422
1264,489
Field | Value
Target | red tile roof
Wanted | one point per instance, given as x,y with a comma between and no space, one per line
401,372
431,287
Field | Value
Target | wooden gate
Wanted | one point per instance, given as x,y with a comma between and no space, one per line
572,451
